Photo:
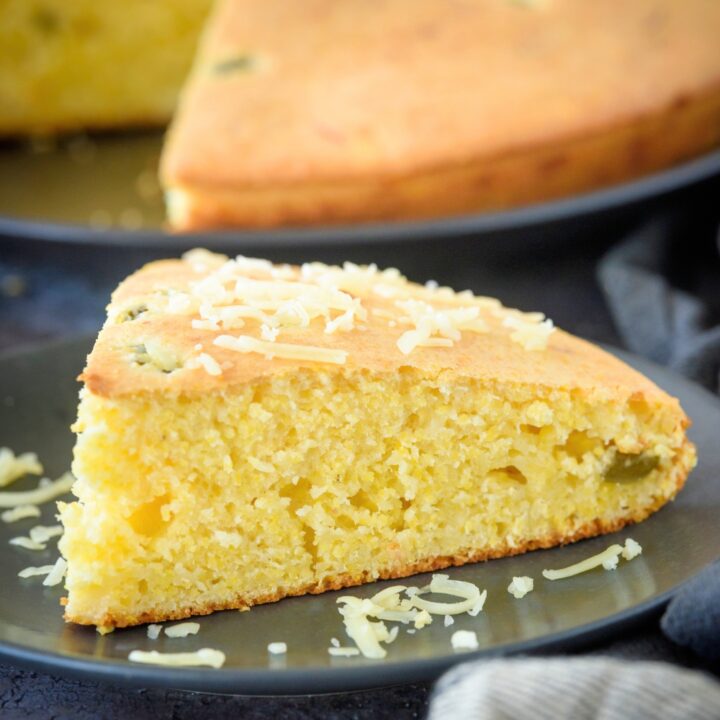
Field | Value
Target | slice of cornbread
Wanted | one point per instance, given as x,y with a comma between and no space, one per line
249,431
89,64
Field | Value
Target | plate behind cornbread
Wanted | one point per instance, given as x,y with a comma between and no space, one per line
38,396
51,197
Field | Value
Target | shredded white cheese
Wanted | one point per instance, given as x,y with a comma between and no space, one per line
267,300
14,466
57,573
277,297
343,651
529,330
27,543
201,260
277,648
359,614
43,493
521,586
209,364
606,559
479,605
153,631
611,562
269,333
429,321
464,640
285,351
442,584
43,533
34,571
20,513
367,635
422,619
204,657
631,550
182,630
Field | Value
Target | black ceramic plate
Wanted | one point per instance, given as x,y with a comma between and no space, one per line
37,403
103,191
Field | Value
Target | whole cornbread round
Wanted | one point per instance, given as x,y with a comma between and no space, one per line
332,110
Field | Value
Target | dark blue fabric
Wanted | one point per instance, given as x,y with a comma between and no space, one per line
679,327
656,316
692,618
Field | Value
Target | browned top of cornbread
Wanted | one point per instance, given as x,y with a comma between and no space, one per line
494,354
334,89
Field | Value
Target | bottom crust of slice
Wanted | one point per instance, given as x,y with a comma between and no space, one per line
429,564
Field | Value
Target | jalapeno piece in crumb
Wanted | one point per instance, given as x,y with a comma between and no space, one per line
627,467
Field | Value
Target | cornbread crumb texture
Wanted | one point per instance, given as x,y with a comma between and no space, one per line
356,492
71,65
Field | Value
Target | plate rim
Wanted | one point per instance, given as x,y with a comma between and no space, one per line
286,681
646,187
334,679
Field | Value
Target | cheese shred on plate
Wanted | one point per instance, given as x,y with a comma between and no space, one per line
464,640
43,533
204,657
43,493
182,630
21,512
27,543
13,467
608,559
29,572
343,651
363,618
521,586
56,574
153,631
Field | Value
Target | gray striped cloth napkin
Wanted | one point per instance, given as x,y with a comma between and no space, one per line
574,689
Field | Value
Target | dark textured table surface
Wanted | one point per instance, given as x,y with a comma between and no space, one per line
47,292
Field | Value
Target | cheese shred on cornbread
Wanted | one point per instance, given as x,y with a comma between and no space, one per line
349,425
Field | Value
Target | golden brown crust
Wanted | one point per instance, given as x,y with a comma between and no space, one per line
567,363
592,529
544,172
491,105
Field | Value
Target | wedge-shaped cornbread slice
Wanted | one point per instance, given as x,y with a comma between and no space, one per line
250,431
